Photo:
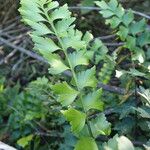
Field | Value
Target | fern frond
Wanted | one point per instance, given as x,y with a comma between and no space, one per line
47,18
129,30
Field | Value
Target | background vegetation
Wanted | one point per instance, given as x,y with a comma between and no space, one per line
29,116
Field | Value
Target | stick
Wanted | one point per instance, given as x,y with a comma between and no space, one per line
97,8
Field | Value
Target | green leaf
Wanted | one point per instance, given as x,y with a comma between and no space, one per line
114,22
138,27
113,4
87,78
45,44
102,4
118,143
87,37
73,40
76,119
40,28
51,5
112,144
100,125
120,12
93,101
30,11
62,26
107,13
66,94
123,32
125,144
145,93
144,38
128,18
60,13
131,43
23,142
57,66
139,55
78,58
86,143
136,73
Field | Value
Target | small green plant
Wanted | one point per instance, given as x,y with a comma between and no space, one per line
73,58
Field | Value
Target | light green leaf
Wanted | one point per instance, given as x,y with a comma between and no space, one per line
57,66
66,94
52,5
87,37
125,144
63,26
60,13
86,143
93,101
45,44
106,13
145,93
87,78
78,58
135,73
123,32
30,11
144,38
112,144
32,7
23,142
102,4
120,11
100,125
119,143
131,43
139,55
128,18
113,4
76,119
138,27
40,28
73,40
144,112
114,22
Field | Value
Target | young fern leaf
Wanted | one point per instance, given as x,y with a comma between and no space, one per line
66,94
47,18
87,78
92,101
76,119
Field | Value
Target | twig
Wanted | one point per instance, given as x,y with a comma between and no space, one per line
106,37
114,44
5,60
27,52
97,8
113,89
